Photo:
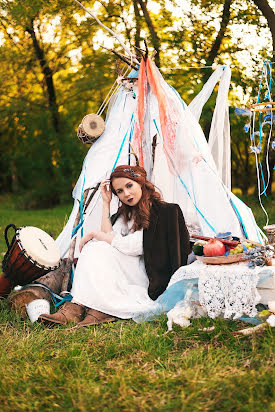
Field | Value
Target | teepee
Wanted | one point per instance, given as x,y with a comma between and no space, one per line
151,118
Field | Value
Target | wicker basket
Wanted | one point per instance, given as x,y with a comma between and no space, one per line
222,260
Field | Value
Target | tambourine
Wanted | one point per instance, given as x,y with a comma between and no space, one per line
91,127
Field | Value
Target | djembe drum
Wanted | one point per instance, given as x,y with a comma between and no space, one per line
31,254
92,126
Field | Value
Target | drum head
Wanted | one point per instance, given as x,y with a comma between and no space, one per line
39,246
93,125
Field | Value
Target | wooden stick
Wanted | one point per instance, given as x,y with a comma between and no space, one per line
66,279
140,52
154,145
251,331
130,78
260,104
135,154
146,47
123,58
153,54
259,109
91,196
128,51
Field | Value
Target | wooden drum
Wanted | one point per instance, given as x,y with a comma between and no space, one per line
31,254
91,127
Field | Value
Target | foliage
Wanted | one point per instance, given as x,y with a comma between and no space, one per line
130,367
41,157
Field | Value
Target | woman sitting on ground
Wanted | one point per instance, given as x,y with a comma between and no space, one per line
129,263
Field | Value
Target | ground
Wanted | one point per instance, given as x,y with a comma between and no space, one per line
126,366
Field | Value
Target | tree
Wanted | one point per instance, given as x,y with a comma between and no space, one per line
54,72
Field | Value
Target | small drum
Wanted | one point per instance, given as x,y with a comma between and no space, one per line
91,127
31,254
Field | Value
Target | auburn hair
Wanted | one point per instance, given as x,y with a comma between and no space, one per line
140,213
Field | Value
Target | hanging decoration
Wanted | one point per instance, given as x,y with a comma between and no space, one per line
261,118
91,127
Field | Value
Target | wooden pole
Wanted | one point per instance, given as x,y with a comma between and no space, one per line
66,279
123,58
128,51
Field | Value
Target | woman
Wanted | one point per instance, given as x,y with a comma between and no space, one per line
128,264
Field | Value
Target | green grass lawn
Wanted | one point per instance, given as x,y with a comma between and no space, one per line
126,366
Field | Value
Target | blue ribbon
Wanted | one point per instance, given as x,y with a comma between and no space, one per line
130,139
67,298
122,144
80,225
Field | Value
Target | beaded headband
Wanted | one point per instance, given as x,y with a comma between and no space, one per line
131,172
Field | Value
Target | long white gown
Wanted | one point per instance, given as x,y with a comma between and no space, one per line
112,278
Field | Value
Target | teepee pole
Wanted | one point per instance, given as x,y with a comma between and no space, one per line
66,279
109,30
125,59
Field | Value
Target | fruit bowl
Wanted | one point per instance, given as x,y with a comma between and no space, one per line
222,260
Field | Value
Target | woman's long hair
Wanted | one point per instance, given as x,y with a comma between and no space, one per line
140,213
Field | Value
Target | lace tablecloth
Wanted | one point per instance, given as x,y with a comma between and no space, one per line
228,290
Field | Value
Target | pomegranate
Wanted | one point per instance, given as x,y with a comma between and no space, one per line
214,248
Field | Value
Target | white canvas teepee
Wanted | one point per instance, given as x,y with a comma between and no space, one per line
186,169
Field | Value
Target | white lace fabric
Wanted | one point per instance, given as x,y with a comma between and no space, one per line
228,290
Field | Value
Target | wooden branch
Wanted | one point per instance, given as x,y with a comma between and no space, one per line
269,14
91,197
153,54
251,331
154,36
146,48
118,68
138,23
48,77
154,144
66,279
218,41
109,30
130,78
140,52
123,58
135,154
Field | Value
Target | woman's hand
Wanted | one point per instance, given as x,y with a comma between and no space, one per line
84,240
106,192
98,235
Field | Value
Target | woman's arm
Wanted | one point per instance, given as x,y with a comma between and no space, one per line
131,244
98,235
106,195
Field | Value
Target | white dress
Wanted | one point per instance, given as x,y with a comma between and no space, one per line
112,278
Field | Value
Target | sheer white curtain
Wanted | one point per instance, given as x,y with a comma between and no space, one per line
219,137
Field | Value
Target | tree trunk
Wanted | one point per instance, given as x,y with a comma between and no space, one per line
48,77
269,14
154,36
214,53
138,25
217,43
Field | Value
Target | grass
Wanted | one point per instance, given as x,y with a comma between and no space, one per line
126,366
